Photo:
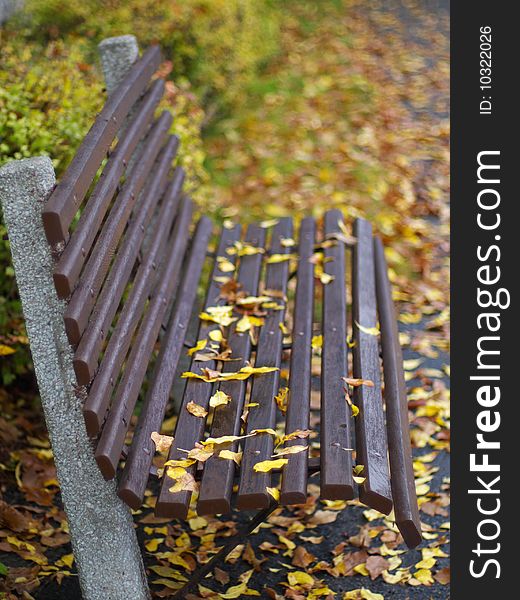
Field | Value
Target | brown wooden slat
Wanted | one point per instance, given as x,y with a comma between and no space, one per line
371,441
84,296
218,474
400,449
135,474
110,296
336,438
252,491
168,275
68,195
189,429
73,257
295,472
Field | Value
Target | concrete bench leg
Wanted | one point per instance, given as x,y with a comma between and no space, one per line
104,542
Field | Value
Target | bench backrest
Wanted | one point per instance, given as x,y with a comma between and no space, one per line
119,225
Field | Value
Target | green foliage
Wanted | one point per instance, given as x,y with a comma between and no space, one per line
218,45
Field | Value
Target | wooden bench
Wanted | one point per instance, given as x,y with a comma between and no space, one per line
129,264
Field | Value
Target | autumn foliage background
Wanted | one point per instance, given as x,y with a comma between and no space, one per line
283,108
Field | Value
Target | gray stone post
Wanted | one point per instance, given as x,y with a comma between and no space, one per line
117,54
104,542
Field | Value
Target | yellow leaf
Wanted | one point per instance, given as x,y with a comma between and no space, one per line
229,455
424,576
362,570
225,439
355,410
172,585
358,469
225,265
198,346
368,330
362,594
218,314
317,342
291,450
287,242
274,492
300,578
216,335
153,544
268,430
354,382
325,278
196,409
162,442
359,480
6,350
183,464
269,223
279,258
268,465
299,433
283,328
219,398
281,399
197,523
247,322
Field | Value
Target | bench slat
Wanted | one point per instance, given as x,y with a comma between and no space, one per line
218,474
68,195
135,474
93,275
336,438
118,420
108,301
252,491
294,474
101,389
371,440
73,257
189,429
400,455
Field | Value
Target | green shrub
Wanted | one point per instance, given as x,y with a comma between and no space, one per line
219,45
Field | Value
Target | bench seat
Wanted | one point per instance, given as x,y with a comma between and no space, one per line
130,261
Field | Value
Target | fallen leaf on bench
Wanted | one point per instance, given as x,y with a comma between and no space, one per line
281,399
183,463
274,492
216,335
162,442
244,249
222,315
198,346
219,398
225,265
268,430
325,278
359,480
210,376
185,482
290,450
357,382
225,439
268,465
279,258
269,223
272,306
353,407
247,322
299,433
230,455
358,469
200,452
196,409
368,330
283,328
287,242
